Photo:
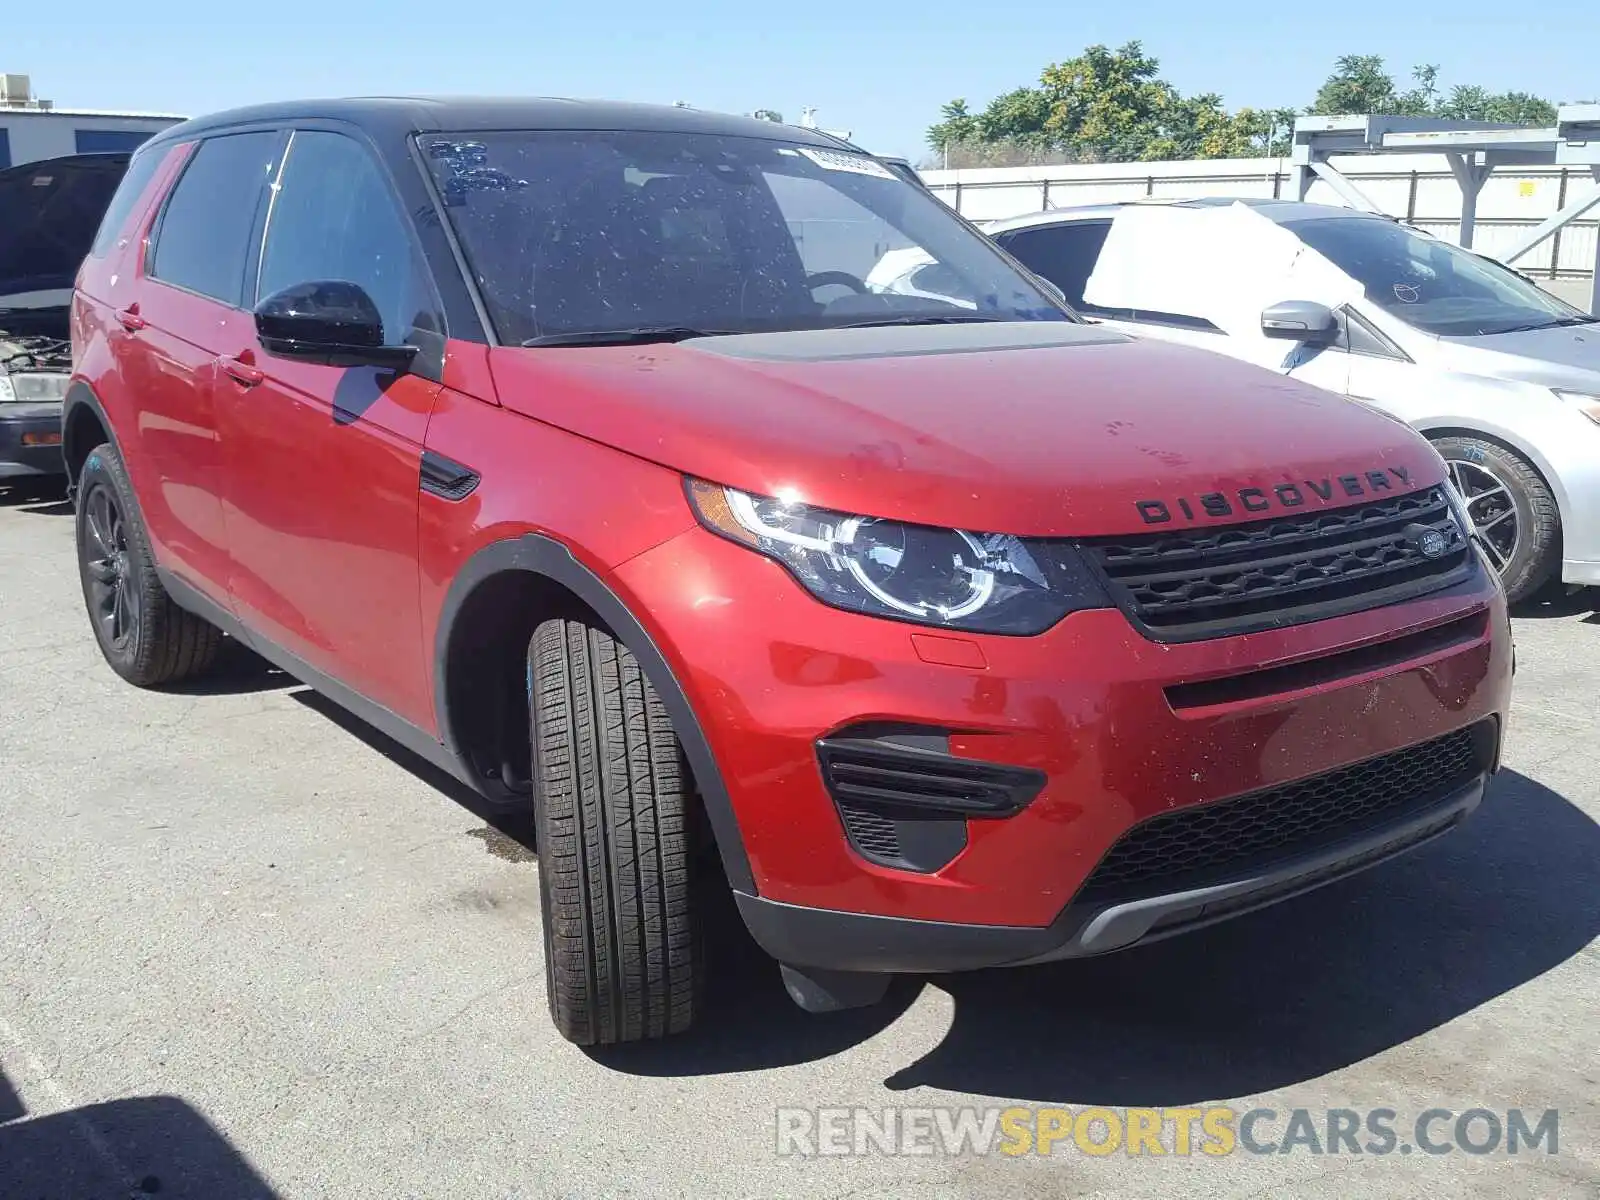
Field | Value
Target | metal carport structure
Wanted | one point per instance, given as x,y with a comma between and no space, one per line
1472,148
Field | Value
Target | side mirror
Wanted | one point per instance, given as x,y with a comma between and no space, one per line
1053,289
327,321
1300,321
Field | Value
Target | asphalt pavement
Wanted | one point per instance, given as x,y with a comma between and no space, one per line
251,949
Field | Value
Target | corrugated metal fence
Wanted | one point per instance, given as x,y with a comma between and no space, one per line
1417,188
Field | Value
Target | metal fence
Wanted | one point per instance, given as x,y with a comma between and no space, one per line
1416,188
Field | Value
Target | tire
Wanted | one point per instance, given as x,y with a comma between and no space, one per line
1524,500
145,637
612,819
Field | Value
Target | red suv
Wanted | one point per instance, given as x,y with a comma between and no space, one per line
575,447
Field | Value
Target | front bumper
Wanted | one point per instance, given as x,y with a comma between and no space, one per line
1122,730
841,941
30,440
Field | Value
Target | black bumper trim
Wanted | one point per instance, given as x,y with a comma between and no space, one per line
17,460
846,941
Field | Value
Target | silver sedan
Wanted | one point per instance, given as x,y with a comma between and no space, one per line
1501,376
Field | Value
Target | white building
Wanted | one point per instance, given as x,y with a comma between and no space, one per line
31,129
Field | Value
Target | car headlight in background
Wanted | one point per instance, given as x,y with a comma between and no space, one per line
1587,404
982,582
41,387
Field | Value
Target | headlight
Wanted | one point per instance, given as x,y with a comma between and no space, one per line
1587,404
984,582
33,388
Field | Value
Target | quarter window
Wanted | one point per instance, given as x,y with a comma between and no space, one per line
335,218
205,230
134,181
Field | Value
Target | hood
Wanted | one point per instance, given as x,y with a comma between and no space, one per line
1566,357
1032,429
49,213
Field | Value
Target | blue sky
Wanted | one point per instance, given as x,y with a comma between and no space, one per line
880,71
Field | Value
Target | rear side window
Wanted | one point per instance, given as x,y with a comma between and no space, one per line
334,217
1063,254
205,229
140,171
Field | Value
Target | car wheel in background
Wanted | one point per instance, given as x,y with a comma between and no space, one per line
147,639
1513,511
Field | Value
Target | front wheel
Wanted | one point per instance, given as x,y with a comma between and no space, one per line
612,813
1513,511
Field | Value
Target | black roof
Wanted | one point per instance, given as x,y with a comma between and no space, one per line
385,117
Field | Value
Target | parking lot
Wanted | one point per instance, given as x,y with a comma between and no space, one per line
252,949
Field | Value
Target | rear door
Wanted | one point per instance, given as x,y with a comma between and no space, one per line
323,463
183,314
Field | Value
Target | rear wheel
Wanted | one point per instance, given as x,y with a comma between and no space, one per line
145,637
1513,511
613,803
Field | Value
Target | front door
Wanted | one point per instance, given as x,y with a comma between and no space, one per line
324,462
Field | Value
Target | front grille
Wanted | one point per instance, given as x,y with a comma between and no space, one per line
1228,838
1201,583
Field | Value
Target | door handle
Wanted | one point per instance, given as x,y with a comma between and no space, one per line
240,372
130,319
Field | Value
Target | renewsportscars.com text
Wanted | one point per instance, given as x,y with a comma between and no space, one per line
1215,1131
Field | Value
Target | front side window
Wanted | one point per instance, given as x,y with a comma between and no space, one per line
573,233
1430,284
1064,254
204,234
333,217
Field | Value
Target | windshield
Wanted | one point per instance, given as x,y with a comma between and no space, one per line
588,232
1430,284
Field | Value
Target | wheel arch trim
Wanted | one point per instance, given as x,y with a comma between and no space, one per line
543,556
1511,442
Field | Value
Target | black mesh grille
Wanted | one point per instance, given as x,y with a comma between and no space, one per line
1211,841
873,833
1199,583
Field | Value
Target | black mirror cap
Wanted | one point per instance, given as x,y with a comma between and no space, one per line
1300,321
328,321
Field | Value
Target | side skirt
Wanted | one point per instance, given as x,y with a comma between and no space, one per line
390,724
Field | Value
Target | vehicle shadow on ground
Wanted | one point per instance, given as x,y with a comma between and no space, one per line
141,1146
1555,602
513,821
43,497
237,671
1266,1001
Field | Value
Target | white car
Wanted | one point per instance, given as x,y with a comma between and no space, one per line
1501,376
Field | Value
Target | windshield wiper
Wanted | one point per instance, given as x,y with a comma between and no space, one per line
925,319
625,337
1558,323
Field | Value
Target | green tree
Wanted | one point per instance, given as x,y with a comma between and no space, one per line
1113,106
1470,103
1359,84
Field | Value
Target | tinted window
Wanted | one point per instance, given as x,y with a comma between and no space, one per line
1063,254
334,217
5,149
140,171
205,228
575,233
108,141
1430,284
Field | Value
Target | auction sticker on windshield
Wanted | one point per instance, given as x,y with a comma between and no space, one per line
858,164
